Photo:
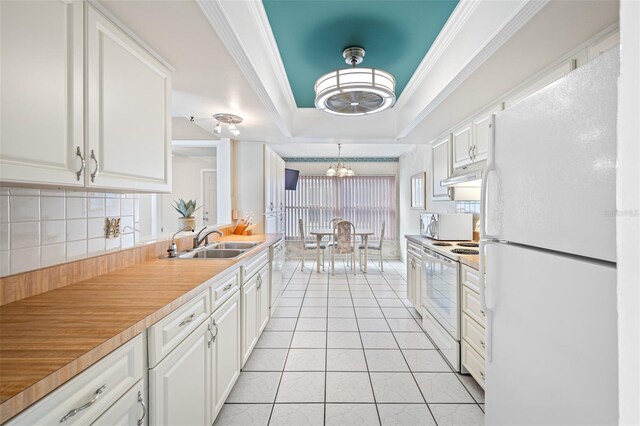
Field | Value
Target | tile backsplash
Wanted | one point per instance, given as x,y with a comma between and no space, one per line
40,228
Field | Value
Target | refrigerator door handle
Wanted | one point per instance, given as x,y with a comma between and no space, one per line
487,301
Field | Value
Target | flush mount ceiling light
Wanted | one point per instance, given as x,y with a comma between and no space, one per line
355,91
231,120
340,169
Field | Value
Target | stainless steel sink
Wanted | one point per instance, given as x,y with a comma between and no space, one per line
234,245
210,253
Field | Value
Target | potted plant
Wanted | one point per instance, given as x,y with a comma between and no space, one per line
186,210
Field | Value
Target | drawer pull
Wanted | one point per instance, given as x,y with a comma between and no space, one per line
82,163
85,406
227,287
213,336
259,279
96,171
482,375
187,320
482,344
144,408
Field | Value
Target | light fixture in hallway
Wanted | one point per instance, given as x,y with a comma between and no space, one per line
231,120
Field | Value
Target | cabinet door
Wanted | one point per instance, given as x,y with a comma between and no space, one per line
419,284
271,223
440,167
608,42
249,300
462,143
263,299
180,386
482,133
281,192
128,111
226,354
411,266
41,92
268,187
130,409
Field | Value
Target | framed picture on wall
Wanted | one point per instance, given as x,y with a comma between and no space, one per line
418,191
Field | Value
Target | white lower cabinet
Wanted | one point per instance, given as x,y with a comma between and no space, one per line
180,385
255,309
473,326
87,396
131,409
226,350
414,275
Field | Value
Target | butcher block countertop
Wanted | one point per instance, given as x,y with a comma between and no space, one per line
47,339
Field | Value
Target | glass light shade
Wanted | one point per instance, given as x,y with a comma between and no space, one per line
331,171
218,129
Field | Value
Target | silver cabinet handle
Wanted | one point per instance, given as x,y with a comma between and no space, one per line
187,320
85,406
271,205
482,344
482,375
259,279
227,287
82,163
144,408
95,172
213,338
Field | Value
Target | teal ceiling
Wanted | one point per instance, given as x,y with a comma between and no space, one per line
311,35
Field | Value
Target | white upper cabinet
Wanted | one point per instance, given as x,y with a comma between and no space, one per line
462,143
608,42
482,133
41,92
128,110
82,102
273,181
554,74
440,167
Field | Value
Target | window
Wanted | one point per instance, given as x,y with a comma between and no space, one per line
366,201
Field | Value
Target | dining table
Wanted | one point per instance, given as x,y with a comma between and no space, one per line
321,233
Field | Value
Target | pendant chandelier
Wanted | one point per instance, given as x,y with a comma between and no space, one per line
339,169
355,91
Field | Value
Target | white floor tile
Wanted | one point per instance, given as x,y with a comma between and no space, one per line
442,388
385,360
301,387
346,360
255,387
351,415
395,388
306,360
244,415
425,360
297,415
348,387
266,360
309,340
343,340
413,340
457,414
405,415
378,340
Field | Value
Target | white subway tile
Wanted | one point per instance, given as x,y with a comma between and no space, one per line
112,207
126,222
126,207
136,210
52,193
24,234
76,229
96,207
51,208
4,263
127,241
95,194
76,250
76,208
24,260
25,192
4,236
4,209
96,227
52,231
112,244
24,209
95,246
52,255
72,193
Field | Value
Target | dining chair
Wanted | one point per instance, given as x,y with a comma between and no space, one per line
374,245
305,245
343,243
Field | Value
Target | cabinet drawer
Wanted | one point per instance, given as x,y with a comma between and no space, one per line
471,305
128,410
255,265
167,333
103,383
473,362
414,249
471,278
473,333
222,289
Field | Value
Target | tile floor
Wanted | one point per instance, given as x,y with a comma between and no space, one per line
346,350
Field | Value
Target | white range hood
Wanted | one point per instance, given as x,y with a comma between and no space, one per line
465,183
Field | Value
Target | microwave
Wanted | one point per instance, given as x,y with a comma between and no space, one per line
447,226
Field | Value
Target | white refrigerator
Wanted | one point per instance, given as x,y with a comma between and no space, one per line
548,254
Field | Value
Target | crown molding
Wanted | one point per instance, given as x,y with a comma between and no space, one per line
452,27
224,25
509,27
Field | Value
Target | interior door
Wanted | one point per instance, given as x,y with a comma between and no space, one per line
552,354
209,198
128,111
226,356
41,92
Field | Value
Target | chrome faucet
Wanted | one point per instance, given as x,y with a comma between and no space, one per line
197,240
173,248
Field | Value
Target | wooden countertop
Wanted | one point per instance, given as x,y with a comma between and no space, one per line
47,339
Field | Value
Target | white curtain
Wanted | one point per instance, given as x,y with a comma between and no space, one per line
366,201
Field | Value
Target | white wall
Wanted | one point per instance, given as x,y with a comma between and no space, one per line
416,161
248,173
628,224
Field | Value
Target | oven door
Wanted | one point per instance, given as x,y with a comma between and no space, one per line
441,296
